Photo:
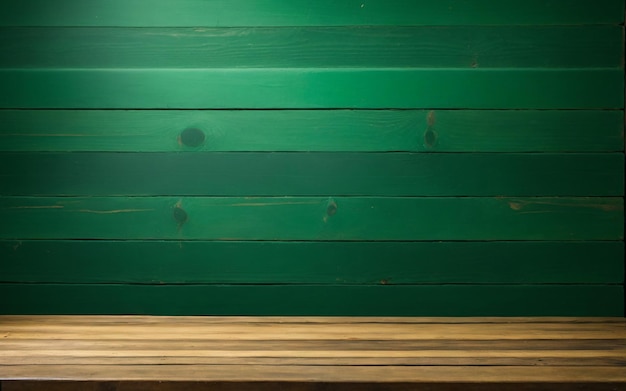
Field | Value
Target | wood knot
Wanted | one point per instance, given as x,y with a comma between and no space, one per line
180,215
332,209
430,136
192,137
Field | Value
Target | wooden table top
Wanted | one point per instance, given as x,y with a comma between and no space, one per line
312,349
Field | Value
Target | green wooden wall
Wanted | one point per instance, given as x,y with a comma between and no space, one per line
329,157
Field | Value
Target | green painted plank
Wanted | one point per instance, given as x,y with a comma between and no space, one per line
308,218
311,174
314,88
313,130
428,300
598,46
300,12
386,263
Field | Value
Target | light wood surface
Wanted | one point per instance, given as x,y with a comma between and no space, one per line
550,351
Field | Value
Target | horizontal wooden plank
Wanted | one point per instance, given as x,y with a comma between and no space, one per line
314,88
311,262
197,346
312,174
177,385
313,130
134,346
339,358
506,358
335,357
310,374
571,324
406,300
160,385
512,359
300,12
600,378
309,218
283,354
598,46
360,333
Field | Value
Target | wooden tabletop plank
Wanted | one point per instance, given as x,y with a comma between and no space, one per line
313,332
196,344
6,356
35,385
373,374
574,361
301,349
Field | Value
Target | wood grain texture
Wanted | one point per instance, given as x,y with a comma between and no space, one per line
387,263
306,353
312,174
312,218
195,13
599,88
155,385
342,358
314,130
425,374
311,300
236,348
598,46
541,353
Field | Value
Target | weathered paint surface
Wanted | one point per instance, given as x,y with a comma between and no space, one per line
377,157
